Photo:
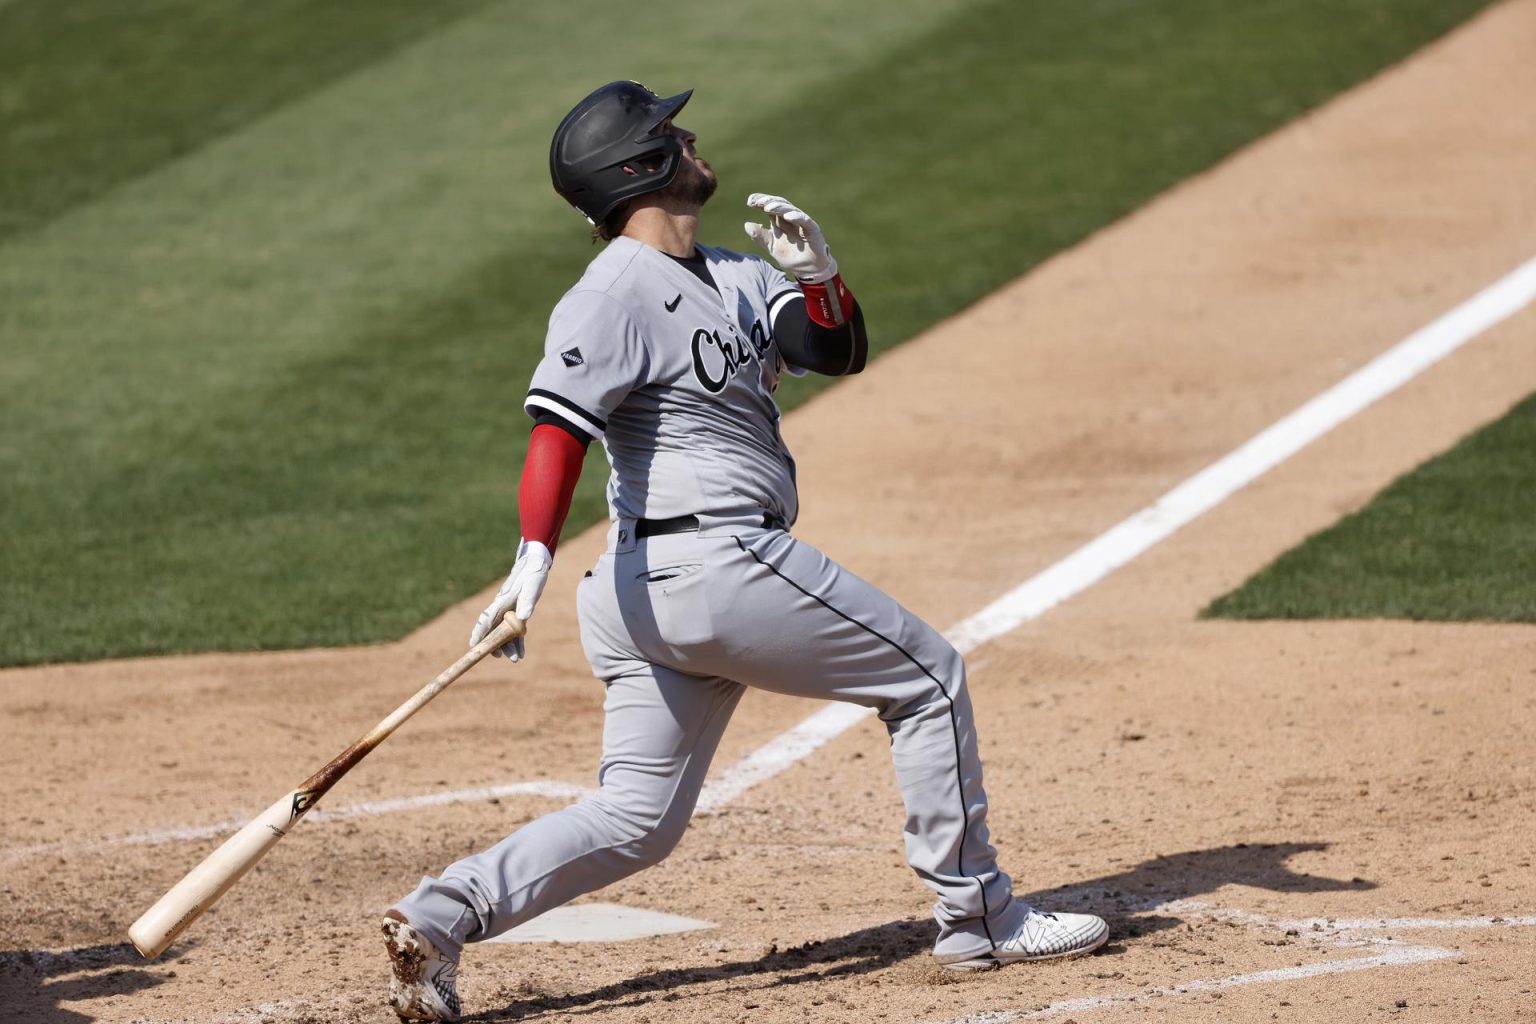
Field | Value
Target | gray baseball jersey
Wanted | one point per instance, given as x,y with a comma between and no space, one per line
676,379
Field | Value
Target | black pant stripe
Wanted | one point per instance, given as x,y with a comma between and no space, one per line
954,725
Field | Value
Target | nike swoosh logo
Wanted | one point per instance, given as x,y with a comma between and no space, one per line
672,306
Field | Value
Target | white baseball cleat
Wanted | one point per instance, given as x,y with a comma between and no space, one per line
424,985
1041,936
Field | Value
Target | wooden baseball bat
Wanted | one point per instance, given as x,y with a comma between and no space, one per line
158,927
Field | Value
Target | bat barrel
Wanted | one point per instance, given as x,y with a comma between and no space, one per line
158,927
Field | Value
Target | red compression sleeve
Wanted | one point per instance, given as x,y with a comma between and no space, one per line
831,303
549,479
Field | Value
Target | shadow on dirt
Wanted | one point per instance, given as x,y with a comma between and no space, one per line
33,983
1125,899
36,985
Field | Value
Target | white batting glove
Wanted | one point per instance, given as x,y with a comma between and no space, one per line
521,591
792,239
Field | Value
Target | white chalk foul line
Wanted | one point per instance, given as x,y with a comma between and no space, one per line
1405,924
1397,956
1186,502
1335,927
364,809
779,753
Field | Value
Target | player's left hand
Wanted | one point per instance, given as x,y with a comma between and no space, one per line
520,592
792,239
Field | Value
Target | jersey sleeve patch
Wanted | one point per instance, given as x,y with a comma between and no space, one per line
594,356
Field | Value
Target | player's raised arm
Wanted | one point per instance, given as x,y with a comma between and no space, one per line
555,454
825,333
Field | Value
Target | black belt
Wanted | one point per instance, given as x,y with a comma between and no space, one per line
684,524
656,527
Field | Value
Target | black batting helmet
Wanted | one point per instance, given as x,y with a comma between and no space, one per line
600,151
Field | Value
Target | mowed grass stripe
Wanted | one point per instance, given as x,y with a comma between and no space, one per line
1453,540
266,395
345,210
95,92
314,433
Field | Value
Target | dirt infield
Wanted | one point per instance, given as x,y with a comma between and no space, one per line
1294,821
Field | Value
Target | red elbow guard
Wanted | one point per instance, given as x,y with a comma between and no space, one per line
830,304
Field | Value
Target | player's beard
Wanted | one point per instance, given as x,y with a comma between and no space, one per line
692,186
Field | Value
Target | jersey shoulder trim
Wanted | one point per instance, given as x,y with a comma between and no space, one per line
778,300
539,398
543,417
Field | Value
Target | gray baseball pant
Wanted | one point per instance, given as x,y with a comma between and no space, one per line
678,626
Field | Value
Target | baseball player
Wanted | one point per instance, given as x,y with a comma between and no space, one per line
669,352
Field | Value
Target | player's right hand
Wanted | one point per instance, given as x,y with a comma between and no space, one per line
520,592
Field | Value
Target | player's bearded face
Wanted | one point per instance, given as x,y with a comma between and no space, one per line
694,184
695,181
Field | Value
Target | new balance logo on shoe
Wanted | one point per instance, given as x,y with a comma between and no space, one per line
572,357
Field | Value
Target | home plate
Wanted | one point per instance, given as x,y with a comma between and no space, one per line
599,922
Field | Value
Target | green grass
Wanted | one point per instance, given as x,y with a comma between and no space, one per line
265,347
95,92
1453,540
